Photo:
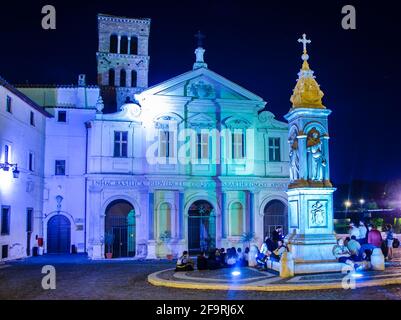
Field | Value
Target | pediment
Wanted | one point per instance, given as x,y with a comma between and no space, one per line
201,84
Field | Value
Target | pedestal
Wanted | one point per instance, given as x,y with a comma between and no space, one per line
311,237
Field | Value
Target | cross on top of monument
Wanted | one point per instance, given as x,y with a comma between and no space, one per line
200,36
304,41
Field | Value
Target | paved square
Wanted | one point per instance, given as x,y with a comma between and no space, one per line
80,278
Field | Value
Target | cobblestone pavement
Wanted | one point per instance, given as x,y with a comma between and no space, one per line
80,278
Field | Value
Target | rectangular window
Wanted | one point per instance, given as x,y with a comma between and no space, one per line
29,220
166,144
202,145
238,145
5,220
4,251
120,144
60,168
62,116
274,150
8,105
30,161
32,119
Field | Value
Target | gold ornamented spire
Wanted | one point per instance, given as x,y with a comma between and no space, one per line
307,93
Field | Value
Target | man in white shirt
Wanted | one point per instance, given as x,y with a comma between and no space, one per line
363,231
354,231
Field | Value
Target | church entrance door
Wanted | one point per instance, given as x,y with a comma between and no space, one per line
201,227
58,235
120,222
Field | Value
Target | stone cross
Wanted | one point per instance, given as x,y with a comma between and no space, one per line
200,38
304,41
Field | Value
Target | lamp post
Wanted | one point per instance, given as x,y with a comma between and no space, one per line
6,167
347,205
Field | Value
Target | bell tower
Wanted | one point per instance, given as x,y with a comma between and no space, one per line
122,58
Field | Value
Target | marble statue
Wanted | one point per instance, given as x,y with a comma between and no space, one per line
315,159
294,159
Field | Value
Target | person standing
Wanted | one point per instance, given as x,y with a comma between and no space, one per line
363,232
374,236
389,240
353,230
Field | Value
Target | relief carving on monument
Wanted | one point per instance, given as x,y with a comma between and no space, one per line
317,214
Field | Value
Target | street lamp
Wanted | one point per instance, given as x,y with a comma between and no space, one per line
6,167
361,201
347,204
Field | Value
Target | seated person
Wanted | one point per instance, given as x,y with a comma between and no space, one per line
231,258
222,254
240,258
201,261
276,254
184,263
213,262
353,246
263,253
364,263
246,257
342,254
253,254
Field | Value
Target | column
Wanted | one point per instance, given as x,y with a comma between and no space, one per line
303,162
151,254
151,217
251,201
181,215
119,44
326,175
223,216
129,45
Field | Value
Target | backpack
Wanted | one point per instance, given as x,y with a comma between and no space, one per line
396,243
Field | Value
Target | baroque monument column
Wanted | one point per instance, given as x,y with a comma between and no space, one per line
311,235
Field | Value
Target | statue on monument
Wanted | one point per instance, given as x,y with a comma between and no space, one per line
294,158
316,160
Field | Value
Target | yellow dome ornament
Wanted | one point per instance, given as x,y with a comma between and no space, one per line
307,93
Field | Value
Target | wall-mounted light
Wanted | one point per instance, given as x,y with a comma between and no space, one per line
6,167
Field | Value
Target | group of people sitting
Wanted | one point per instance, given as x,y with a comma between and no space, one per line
357,249
217,258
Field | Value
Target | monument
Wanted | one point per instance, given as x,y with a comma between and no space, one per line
311,235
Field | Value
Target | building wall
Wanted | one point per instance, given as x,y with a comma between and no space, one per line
67,141
26,191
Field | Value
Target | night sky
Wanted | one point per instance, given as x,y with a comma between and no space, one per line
251,43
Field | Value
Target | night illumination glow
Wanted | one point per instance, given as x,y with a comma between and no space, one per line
235,273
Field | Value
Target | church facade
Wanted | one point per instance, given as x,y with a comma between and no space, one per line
191,163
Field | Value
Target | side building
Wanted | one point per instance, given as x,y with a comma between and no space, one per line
22,158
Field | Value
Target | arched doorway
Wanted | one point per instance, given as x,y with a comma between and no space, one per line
58,235
201,227
120,222
275,214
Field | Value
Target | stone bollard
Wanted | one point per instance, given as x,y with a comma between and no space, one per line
377,260
287,266
253,252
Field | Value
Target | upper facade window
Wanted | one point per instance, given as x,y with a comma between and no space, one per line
60,168
202,145
62,116
166,146
9,104
274,150
238,144
32,118
120,144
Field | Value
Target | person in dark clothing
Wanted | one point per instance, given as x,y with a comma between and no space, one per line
201,261
213,262
223,256
184,263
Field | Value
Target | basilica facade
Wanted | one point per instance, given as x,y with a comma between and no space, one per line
192,163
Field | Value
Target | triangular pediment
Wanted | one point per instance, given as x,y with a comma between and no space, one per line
201,84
